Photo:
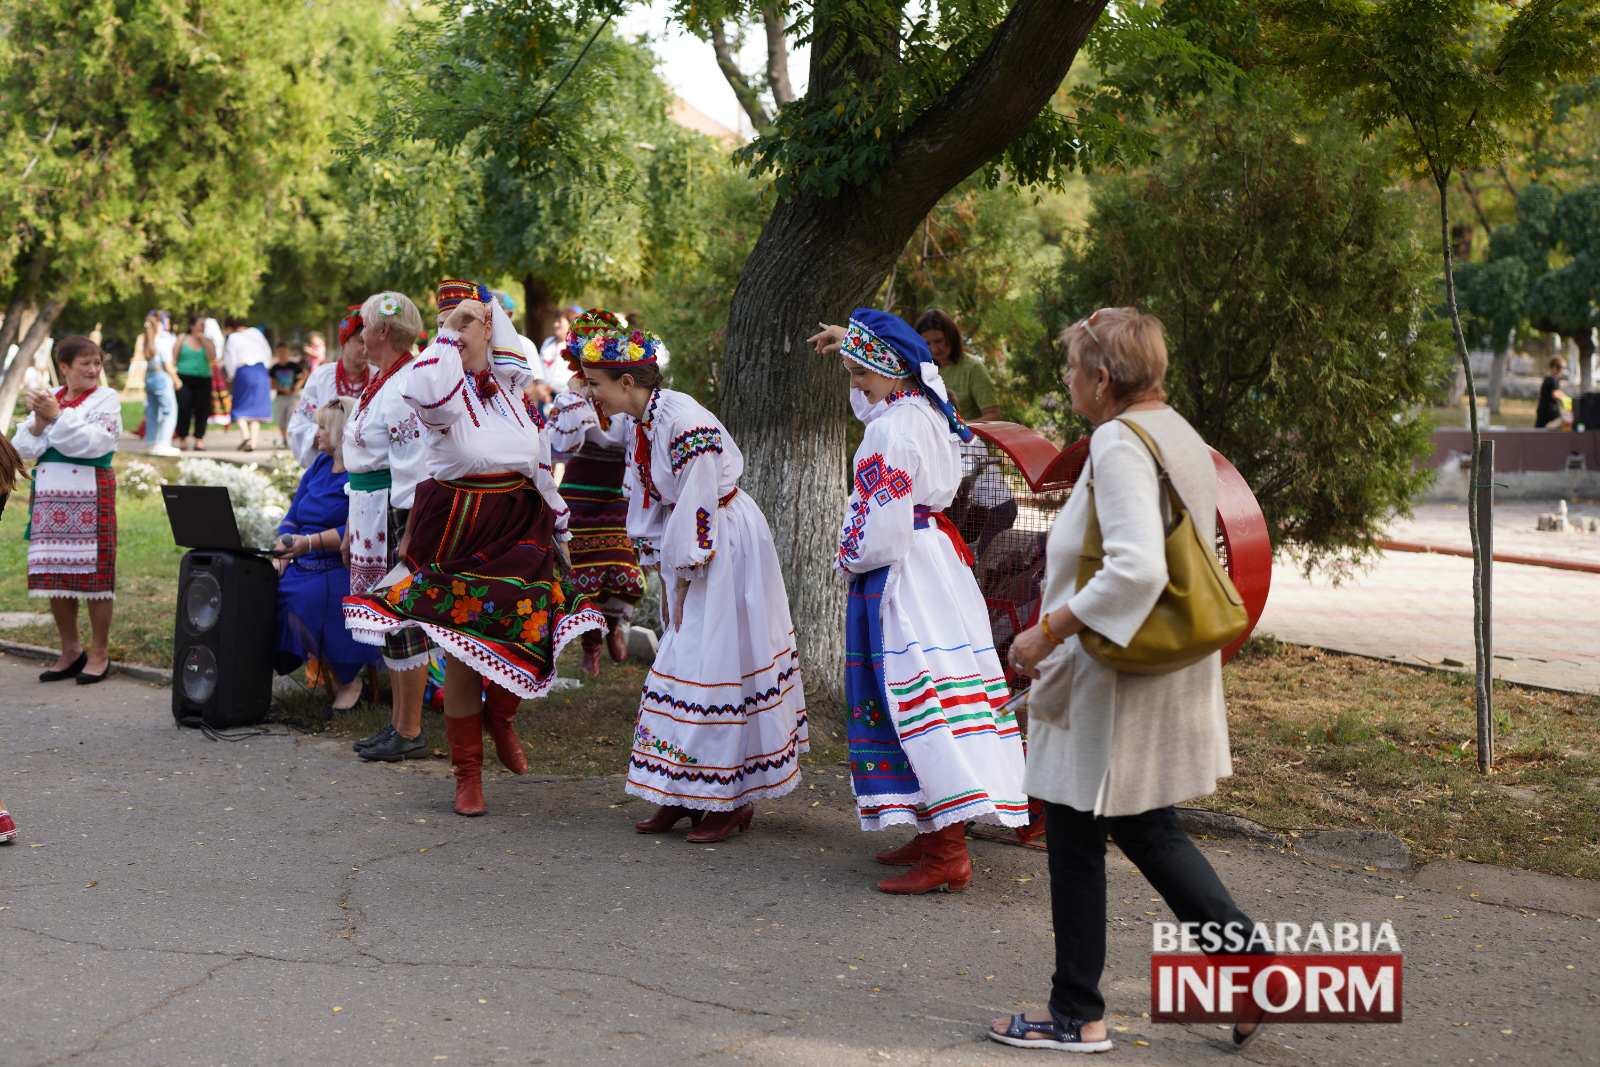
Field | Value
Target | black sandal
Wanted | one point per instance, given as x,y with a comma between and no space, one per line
1064,1035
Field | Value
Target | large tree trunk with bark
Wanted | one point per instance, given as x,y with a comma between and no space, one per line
539,308
37,331
816,259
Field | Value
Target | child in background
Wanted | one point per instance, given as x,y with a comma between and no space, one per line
286,373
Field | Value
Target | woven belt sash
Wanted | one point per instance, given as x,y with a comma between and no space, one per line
371,481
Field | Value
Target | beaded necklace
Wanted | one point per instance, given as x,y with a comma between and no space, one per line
377,384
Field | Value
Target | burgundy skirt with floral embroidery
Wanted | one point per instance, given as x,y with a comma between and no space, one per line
483,582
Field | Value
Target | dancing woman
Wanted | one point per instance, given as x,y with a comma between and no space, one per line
931,743
595,443
722,721
72,515
386,458
481,548
346,376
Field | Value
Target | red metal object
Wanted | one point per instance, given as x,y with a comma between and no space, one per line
1018,480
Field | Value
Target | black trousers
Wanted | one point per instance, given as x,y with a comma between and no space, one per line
194,403
1164,855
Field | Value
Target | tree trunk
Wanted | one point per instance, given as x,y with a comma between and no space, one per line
788,410
13,325
777,56
1482,682
539,308
38,330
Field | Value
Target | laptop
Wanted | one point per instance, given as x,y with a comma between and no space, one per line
202,517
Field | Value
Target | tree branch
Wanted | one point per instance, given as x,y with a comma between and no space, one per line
1477,205
777,56
746,93
1000,94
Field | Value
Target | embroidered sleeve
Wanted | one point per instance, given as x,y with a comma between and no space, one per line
879,518
571,416
89,431
690,540
303,419
693,443
436,384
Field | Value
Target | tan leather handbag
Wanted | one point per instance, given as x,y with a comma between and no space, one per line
1200,611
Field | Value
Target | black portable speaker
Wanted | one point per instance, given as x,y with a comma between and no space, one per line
223,642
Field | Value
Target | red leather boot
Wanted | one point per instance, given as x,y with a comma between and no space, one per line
906,855
465,734
666,817
945,864
592,643
499,709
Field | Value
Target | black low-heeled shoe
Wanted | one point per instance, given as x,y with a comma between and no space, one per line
71,670
95,679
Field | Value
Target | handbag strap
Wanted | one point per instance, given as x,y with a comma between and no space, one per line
1174,498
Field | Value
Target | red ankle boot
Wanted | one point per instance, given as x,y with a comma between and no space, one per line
720,825
465,733
906,855
666,817
945,864
617,642
592,643
499,709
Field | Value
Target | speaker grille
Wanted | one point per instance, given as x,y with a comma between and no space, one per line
202,604
199,673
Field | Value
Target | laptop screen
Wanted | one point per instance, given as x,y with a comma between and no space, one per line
202,517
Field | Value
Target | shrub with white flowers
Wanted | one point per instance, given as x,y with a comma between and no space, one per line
258,504
139,480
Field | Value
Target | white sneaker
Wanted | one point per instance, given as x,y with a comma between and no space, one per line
165,450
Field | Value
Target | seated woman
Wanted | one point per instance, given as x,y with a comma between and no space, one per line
313,579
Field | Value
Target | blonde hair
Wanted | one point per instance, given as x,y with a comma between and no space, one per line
401,323
1130,346
330,420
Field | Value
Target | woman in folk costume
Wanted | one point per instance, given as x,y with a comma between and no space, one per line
72,517
483,543
595,444
312,580
346,376
386,458
931,744
722,720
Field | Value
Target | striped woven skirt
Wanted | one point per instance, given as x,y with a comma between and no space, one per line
482,583
604,563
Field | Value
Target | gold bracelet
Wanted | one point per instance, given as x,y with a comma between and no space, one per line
1044,624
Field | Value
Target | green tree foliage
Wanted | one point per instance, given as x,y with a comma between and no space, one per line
1452,75
155,143
514,141
1295,292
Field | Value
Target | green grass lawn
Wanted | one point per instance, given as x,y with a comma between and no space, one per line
147,578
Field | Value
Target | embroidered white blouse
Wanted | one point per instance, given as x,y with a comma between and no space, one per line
321,386
575,423
387,433
87,430
674,504
907,458
469,433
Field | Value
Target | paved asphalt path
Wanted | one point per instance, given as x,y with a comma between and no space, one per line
175,901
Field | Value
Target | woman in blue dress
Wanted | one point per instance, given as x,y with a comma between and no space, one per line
313,578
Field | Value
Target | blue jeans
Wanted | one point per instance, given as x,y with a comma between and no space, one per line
160,411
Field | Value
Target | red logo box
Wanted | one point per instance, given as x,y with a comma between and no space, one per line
1294,988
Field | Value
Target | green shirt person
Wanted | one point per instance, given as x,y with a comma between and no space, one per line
965,377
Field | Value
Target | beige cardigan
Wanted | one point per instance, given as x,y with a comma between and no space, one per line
1120,744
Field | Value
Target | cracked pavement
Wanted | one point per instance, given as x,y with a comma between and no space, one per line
174,900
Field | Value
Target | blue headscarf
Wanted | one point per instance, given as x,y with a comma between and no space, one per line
872,331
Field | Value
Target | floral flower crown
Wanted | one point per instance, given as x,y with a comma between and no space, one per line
599,339
351,324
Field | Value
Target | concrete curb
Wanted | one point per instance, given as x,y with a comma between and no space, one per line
154,675
1355,848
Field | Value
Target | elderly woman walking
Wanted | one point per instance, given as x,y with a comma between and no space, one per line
1110,753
